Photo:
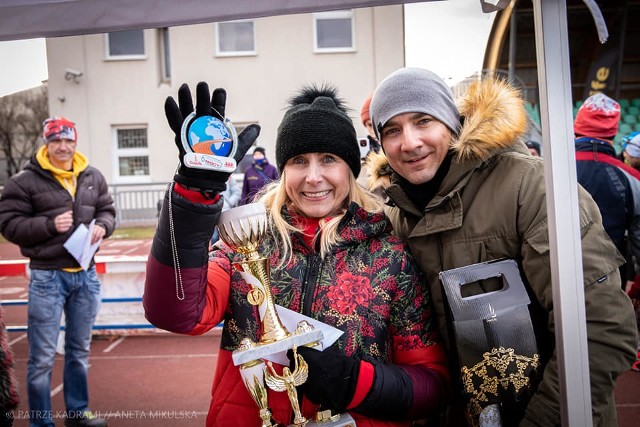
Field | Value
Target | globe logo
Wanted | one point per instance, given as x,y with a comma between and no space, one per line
208,135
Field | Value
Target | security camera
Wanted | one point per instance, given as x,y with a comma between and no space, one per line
71,74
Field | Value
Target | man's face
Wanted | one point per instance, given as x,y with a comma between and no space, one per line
61,152
415,144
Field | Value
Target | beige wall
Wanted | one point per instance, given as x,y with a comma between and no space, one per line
131,93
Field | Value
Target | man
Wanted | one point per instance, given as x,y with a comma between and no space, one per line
465,190
40,208
631,156
372,157
631,150
259,174
614,186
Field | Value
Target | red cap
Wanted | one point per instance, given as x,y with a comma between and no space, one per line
56,128
364,112
597,117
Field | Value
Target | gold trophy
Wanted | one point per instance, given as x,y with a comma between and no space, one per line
242,229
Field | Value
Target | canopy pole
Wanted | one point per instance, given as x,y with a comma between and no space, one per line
554,80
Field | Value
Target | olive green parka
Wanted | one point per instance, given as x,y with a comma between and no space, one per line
492,205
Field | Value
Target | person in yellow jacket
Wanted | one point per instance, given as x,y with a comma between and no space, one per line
41,207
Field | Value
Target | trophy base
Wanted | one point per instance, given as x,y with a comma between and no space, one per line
263,351
344,420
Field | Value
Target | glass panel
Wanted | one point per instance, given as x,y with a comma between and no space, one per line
134,166
235,37
334,33
130,42
132,138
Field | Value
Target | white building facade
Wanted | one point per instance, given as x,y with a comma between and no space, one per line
114,85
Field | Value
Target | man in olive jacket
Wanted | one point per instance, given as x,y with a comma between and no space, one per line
40,209
465,190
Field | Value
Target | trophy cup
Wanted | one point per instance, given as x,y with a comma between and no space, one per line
209,143
242,229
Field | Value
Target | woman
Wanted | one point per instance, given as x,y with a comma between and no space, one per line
257,176
332,258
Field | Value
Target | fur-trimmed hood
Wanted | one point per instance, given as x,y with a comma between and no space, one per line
495,120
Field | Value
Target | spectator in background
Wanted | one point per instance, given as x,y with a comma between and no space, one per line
614,186
259,174
40,209
230,198
371,157
631,154
534,148
365,117
631,150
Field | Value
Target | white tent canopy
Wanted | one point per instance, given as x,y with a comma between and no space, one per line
22,19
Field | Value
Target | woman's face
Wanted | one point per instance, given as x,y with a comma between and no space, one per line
317,183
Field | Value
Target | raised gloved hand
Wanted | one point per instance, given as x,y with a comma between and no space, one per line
332,377
203,180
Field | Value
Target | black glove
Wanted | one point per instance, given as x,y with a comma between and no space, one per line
332,377
204,180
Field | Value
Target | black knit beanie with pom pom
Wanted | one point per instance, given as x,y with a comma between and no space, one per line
317,122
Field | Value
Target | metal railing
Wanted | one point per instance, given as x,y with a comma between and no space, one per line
96,327
114,326
137,204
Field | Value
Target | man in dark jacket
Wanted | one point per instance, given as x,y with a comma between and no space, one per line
614,185
259,174
465,190
41,207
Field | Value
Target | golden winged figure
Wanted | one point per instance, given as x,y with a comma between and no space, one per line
288,382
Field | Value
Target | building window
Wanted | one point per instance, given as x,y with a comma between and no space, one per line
125,44
333,31
132,152
164,55
235,38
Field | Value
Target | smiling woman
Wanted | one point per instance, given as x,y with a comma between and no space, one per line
24,65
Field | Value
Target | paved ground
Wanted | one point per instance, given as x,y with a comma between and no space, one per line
137,381
141,377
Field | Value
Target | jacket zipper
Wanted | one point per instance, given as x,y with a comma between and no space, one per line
310,282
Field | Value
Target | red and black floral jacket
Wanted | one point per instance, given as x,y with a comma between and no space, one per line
369,287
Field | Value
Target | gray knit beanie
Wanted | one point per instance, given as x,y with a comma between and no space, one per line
413,90
317,122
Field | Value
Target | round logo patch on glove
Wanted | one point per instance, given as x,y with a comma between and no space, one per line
209,143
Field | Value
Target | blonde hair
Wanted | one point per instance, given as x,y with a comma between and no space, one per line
274,197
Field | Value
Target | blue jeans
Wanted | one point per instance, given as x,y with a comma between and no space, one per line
51,292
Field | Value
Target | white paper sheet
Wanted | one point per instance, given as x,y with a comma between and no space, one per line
79,244
290,320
